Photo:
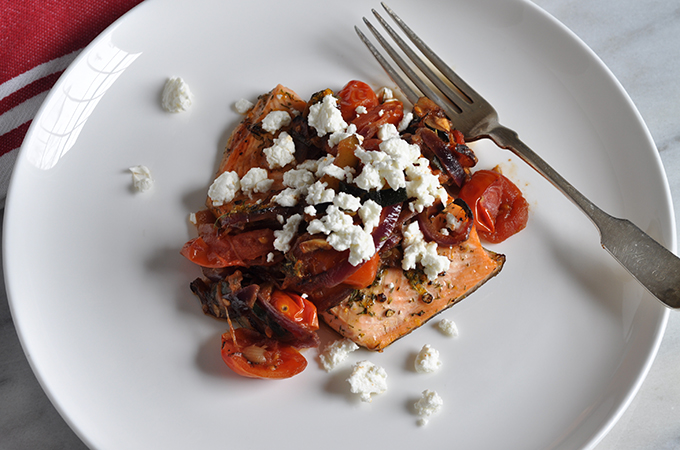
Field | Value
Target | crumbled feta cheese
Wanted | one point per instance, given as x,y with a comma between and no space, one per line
405,121
325,116
388,164
284,236
336,352
448,327
360,110
369,178
275,120
367,379
423,185
387,131
310,210
255,181
429,403
176,95
416,250
427,360
453,222
141,178
242,106
336,172
287,197
319,192
270,257
385,94
224,188
192,218
298,178
347,201
370,215
282,152
342,234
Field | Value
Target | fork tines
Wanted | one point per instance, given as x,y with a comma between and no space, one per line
455,100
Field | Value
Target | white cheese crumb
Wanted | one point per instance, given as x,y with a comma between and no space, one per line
282,152
242,106
385,94
448,327
310,210
416,250
141,178
176,95
325,117
347,201
319,193
255,181
342,234
287,197
429,403
370,215
367,379
427,360
336,352
192,218
453,223
224,188
270,256
298,178
275,120
387,131
284,236
423,185
405,121
361,110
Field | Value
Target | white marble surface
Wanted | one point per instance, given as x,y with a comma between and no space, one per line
639,40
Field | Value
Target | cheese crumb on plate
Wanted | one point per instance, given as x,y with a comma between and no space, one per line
176,96
141,178
429,403
367,379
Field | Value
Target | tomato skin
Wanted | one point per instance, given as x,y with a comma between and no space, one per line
499,208
218,251
298,309
365,275
278,360
198,252
389,112
354,94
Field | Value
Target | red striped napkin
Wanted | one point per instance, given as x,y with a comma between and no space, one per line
38,40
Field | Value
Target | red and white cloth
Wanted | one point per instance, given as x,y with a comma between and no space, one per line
38,40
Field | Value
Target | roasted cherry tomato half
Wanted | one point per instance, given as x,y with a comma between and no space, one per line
365,274
252,355
499,208
355,94
198,252
296,308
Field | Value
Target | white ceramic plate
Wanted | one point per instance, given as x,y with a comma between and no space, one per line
550,352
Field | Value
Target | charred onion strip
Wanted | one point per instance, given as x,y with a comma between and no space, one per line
455,237
446,156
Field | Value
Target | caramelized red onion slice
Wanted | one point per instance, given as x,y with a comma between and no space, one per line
243,218
446,156
336,275
455,237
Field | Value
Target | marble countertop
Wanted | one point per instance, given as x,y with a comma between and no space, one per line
638,41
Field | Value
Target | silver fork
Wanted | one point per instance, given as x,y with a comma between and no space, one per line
654,266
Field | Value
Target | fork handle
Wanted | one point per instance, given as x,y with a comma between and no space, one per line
653,265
